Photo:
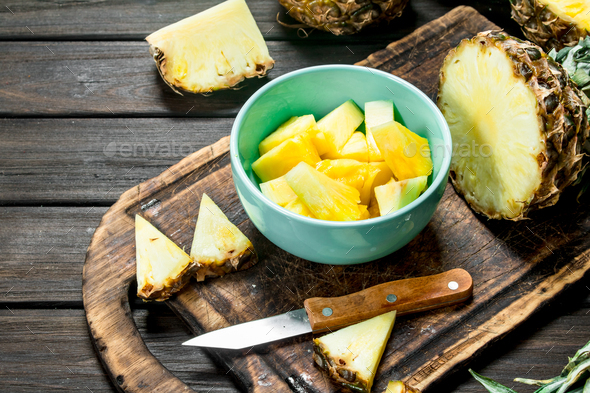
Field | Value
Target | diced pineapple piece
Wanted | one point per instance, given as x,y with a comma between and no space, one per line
339,125
296,206
278,191
376,113
395,195
350,356
359,175
303,125
280,159
162,267
326,198
364,212
406,153
374,208
354,149
371,172
218,245
383,176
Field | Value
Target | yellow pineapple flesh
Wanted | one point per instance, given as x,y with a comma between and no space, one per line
339,125
376,113
298,207
359,175
302,125
215,49
162,267
395,195
326,198
278,191
354,149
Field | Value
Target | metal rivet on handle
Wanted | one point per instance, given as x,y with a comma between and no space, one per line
453,286
391,298
327,311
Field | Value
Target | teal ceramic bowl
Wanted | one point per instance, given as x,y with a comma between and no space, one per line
318,90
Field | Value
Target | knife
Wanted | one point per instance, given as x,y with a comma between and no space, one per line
329,313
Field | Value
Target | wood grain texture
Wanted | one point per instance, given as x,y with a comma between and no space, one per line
516,268
134,20
109,79
92,161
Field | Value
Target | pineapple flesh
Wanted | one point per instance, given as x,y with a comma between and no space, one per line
278,191
303,125
395,195
376,113
517,123
218,245
339,125
162,267
350,356
215,49
552,24
354,149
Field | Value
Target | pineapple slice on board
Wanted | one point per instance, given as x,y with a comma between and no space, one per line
553,24
162,267
280,159
376,113
326,198
517,122
218,245
350,356
302,125
339,125
212,50
278,191
396,194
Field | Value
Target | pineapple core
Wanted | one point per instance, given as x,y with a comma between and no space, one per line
574,11
492,115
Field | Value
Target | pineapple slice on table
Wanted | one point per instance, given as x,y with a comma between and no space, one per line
355,149
339,125
162,267
215,49
280,159
407,154
395,195
327,199
218,245
376,113
399,387
517,122
278,191
359,175
350,356
302,125
296,206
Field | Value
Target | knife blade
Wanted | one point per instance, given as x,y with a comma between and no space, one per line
329,313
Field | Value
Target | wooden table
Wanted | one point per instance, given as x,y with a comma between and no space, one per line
85,116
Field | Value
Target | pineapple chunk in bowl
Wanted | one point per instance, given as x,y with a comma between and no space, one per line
318,90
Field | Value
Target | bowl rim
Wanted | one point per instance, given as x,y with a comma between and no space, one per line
239,169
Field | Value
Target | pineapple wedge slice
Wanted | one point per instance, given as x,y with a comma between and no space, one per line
376,113
162,267
215,49
303,125
406,153
354,149
296,206
282,158
339,125
326,198
278,191
218,245
383,176
350,356
399,387
395,195
359,175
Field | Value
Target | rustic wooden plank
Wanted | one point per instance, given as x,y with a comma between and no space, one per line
92,161
128,19
49,351
109,79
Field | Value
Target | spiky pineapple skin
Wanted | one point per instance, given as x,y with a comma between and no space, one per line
540,25
559,108
149,292
338,373
343,17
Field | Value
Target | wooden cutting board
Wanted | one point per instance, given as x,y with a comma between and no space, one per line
517,267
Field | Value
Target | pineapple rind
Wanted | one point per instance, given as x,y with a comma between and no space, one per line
545,22
156,255
563,124
215,49
218,245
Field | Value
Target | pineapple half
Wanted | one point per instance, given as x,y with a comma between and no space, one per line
350,356
212,50
162,267
218,245
517,122
552,23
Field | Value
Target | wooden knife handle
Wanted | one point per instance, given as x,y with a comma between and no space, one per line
406,296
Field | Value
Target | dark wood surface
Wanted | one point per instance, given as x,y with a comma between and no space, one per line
56,182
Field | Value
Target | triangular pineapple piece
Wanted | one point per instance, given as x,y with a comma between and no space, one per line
339,125
406,153
215,49
359,175
326,198
395,195
354,149
376,113
278,191
162,267
218,245
302,125
351,355
296,206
